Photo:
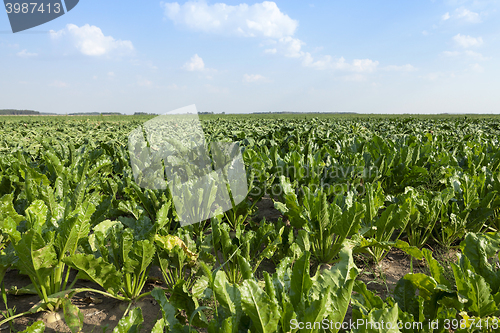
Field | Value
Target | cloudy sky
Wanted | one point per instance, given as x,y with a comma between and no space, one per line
426,56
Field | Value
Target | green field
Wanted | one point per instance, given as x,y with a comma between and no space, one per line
347,192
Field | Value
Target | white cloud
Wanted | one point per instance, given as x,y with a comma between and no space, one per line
403,68
144,82
254,78
355,77
292,47
432,76
477,68
327,62
216,90
264,20
59,84
111,74
450,53
91,41
463,14
467,41
467,15
364,65
261,19
195,64
9,46
25,54
476,55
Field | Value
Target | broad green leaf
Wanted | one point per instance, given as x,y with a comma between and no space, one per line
227,294
335,286
7,210
167,309
425,284
365,299
481,302
259,306
380,321
74,228
437,271
37,258
143,252
245,268
478,248
300,280
37,327
315,311
37,214
131,323
405,296
411,250
72,316
162,215
168,243
96,270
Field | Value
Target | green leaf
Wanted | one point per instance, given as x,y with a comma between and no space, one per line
437,271
227,294
162,215
425,284
315,311
159,326
7,210
411,250
404,294
300,281
481,302
37,215
167,309
335,286
37,258
96,270
74,228
245,268
131,323
478,248
37,327
373,322
365,299
72,316
259,306
142,252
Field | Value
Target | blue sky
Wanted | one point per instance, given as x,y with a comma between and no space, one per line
363,56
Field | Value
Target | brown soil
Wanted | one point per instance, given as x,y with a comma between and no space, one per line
101,314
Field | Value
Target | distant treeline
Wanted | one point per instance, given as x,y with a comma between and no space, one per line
296,112
12,112
95,114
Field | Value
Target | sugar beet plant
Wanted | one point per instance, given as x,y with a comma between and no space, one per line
70,211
